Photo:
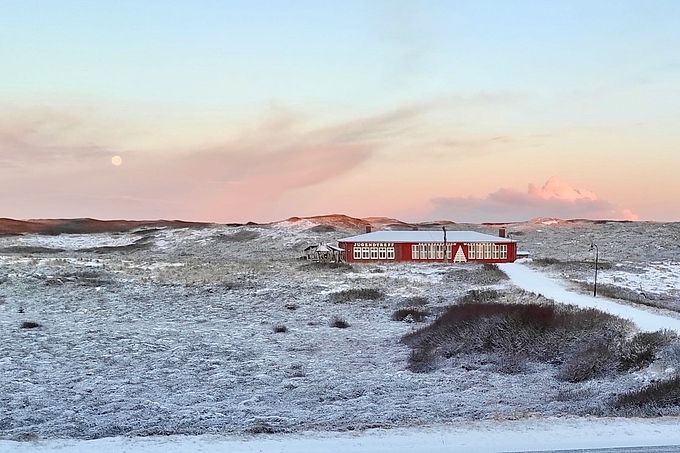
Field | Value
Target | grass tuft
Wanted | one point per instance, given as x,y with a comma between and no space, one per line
350,295
338,322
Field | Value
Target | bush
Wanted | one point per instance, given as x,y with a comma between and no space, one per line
239,236
314,265
641,350
515,333
280,329
650,398
590,361
30,325
494,271
479,295
349,295
338,322
410,314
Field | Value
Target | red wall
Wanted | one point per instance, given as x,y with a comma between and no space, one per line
402,252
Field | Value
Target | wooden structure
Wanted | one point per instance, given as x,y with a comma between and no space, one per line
325,253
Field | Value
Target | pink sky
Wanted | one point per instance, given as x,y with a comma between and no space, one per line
239,111
398,163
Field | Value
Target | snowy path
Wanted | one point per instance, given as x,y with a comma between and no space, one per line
538,283
486,436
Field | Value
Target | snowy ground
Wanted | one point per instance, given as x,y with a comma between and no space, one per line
487,436
164,332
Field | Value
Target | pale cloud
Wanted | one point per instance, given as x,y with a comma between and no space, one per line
556,198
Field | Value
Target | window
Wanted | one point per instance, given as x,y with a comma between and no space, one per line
423,251
357,253
390,253
471,251
440,251
431,251
448,251
479,250
495,251
382,253
487,251
365,254
374,253
414,252
504,252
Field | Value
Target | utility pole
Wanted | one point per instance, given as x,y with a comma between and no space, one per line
446,258
597,255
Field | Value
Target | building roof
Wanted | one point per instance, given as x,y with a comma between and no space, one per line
425,236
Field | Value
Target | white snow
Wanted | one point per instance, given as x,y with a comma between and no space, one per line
487,436
538,283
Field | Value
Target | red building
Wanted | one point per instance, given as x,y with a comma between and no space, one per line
429,246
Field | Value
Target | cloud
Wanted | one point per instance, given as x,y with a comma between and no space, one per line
556,198
64,165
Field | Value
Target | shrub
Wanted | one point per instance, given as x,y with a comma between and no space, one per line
588,362
314,265
349,295
656,395
410,314
338,322
280,329
641,350
239,236
479,295
30,325
582,340
494,271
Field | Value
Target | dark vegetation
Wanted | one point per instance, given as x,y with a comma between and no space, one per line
314,265
338,322
493,271
322,229
654,399
86,226
414,301
239,236
350,295
30,325
581,343
28,250
554,262
410,314
280,328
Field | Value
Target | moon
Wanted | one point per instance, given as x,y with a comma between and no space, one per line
116,160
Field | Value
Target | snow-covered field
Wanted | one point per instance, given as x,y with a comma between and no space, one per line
173,331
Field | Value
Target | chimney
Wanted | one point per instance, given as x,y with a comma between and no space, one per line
368,228
415,227
501,232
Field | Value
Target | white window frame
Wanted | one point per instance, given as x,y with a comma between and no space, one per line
495,251
423,251
504,252
357,253
487,250
440,251
414,252
365,253
382,253
390,253
374,253
448,251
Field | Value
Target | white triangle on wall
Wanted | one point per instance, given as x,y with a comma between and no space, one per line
460,256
